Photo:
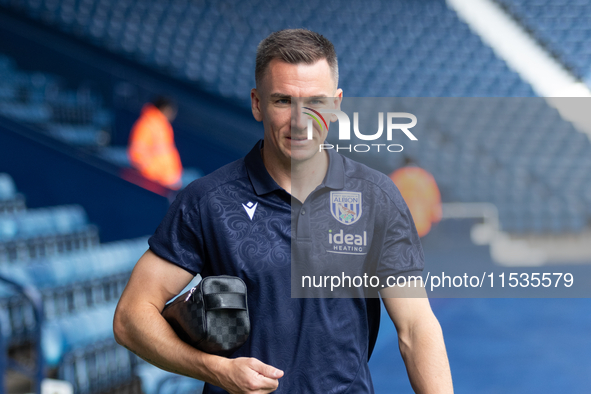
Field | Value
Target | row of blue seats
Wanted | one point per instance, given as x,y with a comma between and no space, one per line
75,117
68,283
32,223
17,315
29,234
79,135
30,113
36,87
13,205
46,112
78,296
23,250
106,259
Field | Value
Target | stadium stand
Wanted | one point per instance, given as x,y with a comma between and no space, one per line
214,44
562,27
40,99
74,117
401,48
79,282
516,153
455,64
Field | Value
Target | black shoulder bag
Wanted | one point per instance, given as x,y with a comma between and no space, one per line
212,316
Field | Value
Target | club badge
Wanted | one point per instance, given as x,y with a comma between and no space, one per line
346,207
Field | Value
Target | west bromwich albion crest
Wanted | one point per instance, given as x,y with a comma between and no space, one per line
346,207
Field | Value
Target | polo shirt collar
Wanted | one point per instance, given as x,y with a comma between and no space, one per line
263,183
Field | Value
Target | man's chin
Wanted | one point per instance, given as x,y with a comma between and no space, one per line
302,155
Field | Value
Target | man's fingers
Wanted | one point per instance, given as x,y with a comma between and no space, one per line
249,375
265,369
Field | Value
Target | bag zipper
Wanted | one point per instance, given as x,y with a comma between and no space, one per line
190,294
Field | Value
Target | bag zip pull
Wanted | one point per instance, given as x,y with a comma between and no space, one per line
190,294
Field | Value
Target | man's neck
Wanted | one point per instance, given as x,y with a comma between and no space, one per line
297,178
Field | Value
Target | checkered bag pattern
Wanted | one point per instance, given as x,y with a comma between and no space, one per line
212,316
227,329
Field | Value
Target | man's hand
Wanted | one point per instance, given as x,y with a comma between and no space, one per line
249,376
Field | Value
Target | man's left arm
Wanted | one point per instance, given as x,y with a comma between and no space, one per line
420,339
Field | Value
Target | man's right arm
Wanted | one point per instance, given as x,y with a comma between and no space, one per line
140,327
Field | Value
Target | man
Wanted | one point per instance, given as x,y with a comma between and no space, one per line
421,194
237,221
151,144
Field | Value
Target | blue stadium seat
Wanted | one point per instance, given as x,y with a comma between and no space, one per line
7,188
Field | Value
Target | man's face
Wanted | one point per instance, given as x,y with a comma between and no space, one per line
276,103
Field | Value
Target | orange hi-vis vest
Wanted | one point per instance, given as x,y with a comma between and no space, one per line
152,150
421,194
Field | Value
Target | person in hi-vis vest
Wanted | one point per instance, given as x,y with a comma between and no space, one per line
421,194
152,150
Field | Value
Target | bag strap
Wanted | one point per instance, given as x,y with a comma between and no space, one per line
225,301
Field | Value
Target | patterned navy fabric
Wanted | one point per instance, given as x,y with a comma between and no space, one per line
238,221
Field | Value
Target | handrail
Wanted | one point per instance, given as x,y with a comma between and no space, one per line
481,234
37,373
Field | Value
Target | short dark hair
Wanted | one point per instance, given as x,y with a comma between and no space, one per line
162,102
295,46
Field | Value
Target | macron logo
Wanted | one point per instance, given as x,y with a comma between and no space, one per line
250,208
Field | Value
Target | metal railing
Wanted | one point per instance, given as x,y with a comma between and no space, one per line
35,373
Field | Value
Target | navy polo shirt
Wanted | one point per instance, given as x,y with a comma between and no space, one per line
238,221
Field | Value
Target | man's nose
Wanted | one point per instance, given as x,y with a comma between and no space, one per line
299,120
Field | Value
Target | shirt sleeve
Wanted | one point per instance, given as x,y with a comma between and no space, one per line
402,253
178,239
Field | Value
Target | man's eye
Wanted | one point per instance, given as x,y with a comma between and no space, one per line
283,101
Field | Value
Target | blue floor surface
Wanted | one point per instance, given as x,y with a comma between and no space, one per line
496,345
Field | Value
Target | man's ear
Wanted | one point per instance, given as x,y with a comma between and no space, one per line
255,102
